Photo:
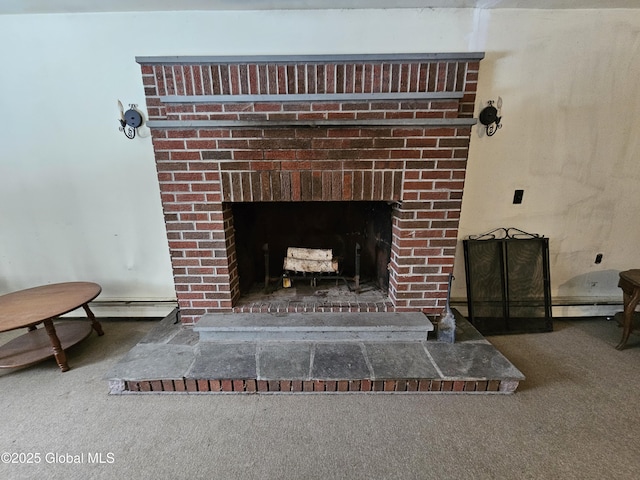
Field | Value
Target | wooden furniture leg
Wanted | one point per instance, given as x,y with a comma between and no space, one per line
58,352
630,304
94,323
630,284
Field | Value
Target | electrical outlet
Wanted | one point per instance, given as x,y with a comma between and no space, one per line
517,196
598,258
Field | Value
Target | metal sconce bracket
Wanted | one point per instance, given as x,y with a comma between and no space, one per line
490,116
130,120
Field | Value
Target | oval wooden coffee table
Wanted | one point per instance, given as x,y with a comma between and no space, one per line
28,308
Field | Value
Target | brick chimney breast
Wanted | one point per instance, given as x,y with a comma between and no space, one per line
391,128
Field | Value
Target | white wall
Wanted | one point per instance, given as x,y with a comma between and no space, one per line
80,201
570,140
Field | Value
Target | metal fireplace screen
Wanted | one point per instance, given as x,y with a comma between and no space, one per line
508,286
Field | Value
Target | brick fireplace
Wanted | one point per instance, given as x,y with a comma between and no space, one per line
345,131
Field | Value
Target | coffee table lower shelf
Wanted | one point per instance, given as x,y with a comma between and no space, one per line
35,346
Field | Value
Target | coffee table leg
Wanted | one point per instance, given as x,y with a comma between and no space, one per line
96,325
58,352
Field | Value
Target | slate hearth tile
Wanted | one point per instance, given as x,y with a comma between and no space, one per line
153,362
164,331
186,336
400,360
472,360
465,331
224,360
279,361
339,361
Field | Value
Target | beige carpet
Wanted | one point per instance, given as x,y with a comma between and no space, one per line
575,416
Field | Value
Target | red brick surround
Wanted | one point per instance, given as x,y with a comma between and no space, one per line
391,128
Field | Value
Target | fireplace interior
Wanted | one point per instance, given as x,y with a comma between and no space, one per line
264,231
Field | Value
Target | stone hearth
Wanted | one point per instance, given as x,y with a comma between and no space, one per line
172,359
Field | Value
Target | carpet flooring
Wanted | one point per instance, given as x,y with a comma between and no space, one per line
575,416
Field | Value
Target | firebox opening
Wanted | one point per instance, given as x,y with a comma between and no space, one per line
339,226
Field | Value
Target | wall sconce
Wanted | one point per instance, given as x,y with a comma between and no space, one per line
490,117
129,120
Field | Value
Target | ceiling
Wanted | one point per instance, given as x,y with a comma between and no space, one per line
82,6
